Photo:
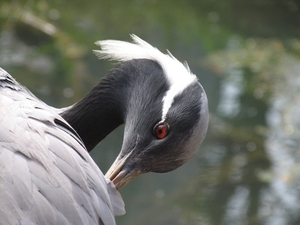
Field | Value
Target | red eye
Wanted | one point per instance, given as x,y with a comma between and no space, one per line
161,130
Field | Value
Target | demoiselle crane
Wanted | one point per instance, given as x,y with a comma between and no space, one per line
48,177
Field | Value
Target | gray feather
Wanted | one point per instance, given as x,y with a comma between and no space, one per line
46,175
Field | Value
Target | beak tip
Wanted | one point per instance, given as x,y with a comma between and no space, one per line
118,174
123,177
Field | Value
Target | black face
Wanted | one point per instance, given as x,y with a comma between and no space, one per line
156,145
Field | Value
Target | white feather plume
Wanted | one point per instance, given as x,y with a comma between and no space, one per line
178,74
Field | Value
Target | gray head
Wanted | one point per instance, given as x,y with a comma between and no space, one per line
166,112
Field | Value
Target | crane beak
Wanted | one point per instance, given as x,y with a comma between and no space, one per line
118,174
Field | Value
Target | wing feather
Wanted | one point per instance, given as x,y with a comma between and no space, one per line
46,174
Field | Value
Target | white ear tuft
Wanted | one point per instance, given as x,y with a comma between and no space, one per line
124,51
177,73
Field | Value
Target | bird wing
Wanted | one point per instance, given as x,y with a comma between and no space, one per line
46,174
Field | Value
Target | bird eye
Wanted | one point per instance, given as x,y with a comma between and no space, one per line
160,130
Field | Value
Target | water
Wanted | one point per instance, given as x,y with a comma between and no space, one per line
246,55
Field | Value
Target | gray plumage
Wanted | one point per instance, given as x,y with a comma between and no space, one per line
46,174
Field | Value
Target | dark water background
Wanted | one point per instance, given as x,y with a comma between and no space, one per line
247,56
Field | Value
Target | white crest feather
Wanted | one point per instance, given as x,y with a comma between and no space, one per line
177,73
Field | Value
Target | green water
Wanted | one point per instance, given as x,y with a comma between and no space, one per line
246,54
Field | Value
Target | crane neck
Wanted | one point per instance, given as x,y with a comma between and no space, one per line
101,110
115,99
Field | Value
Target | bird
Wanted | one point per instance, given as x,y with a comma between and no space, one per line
161,103
47,175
